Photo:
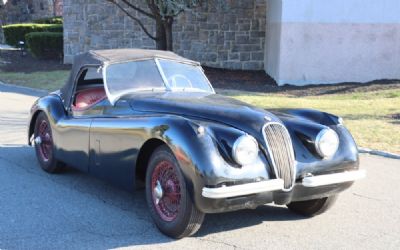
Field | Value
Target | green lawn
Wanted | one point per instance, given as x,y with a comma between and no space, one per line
48,80
368,115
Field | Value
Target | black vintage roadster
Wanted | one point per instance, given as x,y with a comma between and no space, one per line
132,114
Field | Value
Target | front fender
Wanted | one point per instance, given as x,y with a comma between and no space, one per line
203,160
303,126
316,116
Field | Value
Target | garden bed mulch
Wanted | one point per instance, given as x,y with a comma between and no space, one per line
261,82
13,61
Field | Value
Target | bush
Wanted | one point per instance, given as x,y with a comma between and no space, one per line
14,33
45,45
50,20
55,28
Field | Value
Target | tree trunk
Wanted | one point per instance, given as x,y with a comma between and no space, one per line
168,33
161,43
164,34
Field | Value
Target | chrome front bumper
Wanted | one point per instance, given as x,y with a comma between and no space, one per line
327,179
277,184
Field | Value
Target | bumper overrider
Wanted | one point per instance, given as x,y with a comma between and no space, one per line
278,185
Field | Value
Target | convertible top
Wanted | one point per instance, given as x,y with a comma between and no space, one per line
99,58
123,55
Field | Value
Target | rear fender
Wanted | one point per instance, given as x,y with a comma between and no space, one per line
52,106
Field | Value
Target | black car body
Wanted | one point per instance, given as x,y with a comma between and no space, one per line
116,133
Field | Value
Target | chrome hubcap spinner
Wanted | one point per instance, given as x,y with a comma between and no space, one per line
158,191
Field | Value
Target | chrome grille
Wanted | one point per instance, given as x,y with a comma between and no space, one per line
280,149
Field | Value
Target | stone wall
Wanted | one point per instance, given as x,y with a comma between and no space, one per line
1,21
20,11
58,7
227,34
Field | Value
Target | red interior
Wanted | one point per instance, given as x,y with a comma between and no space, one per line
87,98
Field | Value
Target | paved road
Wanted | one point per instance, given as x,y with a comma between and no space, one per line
75,211
14,111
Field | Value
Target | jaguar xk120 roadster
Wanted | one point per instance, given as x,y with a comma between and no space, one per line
129,114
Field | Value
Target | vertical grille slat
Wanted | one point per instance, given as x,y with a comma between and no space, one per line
280,150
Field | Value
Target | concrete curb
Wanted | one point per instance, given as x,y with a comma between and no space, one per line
5,87
379,153
8,47
14,146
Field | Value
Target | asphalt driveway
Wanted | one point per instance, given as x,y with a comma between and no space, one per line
75,211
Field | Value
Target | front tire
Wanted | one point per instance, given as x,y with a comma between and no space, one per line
170,203
44,145
312,208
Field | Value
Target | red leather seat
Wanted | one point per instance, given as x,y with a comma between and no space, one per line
89,97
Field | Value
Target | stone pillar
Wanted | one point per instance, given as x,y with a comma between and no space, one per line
1,36
319,41
1,22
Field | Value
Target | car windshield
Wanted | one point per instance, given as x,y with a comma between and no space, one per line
184,77
153,75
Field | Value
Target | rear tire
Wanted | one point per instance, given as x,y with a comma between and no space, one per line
44,145
312,208
170,203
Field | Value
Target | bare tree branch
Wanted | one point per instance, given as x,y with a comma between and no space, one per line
153,8
162,11
138,9
135,19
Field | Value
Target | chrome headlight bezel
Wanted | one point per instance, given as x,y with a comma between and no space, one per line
340,121
327,135
245,142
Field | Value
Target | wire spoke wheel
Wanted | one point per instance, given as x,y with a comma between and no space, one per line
166,190
46,141
44,145
171,205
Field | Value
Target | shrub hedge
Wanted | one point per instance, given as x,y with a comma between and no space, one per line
45,45
49,20
14,33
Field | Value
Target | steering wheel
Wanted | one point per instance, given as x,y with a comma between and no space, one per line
173,79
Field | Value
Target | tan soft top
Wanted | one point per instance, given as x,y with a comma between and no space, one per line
123,55
102,57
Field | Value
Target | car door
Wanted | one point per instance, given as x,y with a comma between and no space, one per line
73,130
73,141
115,139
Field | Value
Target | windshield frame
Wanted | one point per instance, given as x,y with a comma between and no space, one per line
169,88
114,98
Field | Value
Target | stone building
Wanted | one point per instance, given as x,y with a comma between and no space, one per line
225,34
58,7
21,11
1,23
296,42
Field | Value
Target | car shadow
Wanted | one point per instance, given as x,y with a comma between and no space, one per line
89,212
215,223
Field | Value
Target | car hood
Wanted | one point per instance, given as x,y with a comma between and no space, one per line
205,106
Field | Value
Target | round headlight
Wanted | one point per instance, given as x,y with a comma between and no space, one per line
245,150
327,143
